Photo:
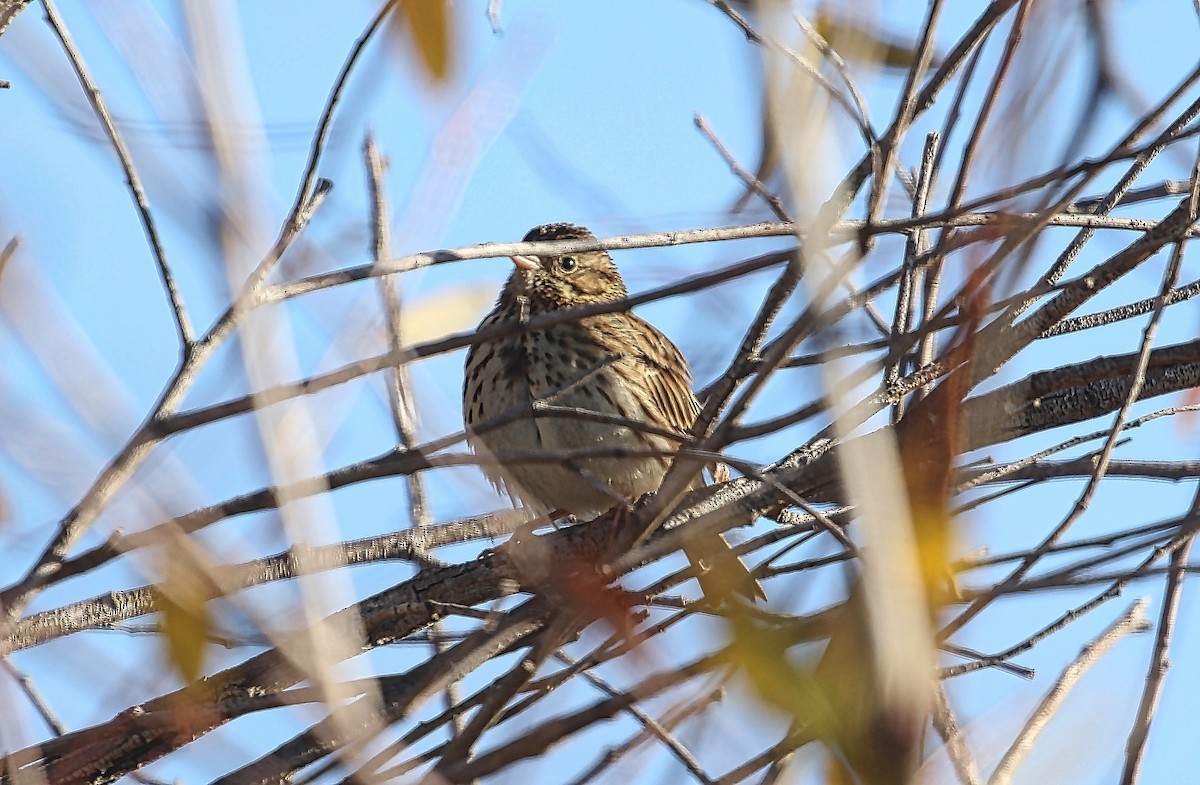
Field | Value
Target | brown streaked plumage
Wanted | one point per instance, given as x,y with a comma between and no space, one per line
613,364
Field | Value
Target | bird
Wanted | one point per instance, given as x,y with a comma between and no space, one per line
612,364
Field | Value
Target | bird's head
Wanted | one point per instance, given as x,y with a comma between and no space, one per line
557,282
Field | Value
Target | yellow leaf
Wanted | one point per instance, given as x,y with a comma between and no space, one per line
440,314
185,621
426,24
855,40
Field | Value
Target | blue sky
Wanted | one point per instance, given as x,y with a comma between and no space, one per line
578,111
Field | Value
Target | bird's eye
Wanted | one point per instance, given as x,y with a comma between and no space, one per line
568,264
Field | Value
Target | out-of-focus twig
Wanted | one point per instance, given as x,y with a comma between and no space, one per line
1134,620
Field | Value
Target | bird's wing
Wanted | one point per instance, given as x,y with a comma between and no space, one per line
668,378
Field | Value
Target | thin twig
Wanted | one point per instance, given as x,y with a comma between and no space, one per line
1156,673
1134,620
117,472
182,324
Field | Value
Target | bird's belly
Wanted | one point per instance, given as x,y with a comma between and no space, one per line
582,485
589,485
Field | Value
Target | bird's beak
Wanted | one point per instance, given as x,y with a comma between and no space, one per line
526,262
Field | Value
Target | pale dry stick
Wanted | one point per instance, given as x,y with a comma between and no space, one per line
661,729
540,738
182,324
999,219
747,178
956,747
1134,620
742,23
400,397
1079,468
109,609
309,197
1149,534
200,416
34,696
10,248
832,211
1141,161
863,118
1118,584
889,144
842,232
912,276
1137,380
399,388
1042,586
754,185
998,473
1085,566
493,17
857,114
314,642
1160,663
975,140
1124,149
1120,313
652,728
1073,324
557,632
287,290
1134,196
400,699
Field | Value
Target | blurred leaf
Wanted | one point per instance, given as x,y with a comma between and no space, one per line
426,26
185,621
440,314
854,40
780,680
